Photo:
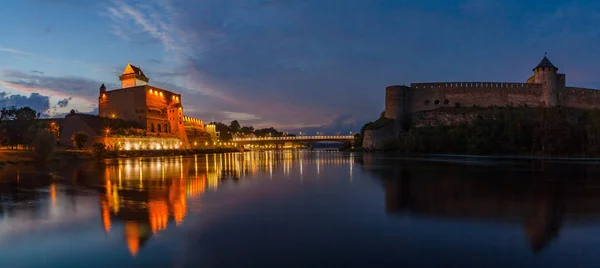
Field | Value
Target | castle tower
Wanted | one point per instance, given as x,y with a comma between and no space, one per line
545,74
102,89
102,99
397,105
133,76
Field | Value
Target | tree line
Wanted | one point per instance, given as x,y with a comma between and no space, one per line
552,131
226,132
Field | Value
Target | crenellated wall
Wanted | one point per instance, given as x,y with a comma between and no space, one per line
581,98
429,96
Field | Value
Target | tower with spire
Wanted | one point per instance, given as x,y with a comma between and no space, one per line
546,74
133,76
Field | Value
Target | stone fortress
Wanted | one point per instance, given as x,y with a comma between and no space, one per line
546,87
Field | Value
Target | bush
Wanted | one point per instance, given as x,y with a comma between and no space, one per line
43,145
99,150
79,139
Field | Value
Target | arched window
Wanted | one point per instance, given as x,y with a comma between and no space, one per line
152,127
166,128
427,102
437,102
158,128
446,102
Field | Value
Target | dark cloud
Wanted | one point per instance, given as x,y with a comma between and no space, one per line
63,103
67,87
37,72
35,101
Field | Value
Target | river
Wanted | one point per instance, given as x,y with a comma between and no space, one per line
302,209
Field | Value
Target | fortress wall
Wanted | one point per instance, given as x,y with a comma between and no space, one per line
429,96
581,98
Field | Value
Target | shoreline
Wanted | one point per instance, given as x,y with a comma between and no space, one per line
61,157
486,157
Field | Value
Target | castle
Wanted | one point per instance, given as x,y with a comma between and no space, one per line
154,113
546,87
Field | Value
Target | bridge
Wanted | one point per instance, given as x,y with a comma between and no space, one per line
318,138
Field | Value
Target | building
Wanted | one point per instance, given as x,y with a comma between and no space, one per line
158,111
546,87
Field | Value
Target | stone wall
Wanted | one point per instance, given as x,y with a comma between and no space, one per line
376,139
429,96
581,98
445,117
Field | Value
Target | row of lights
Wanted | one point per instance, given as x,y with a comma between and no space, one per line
218,143
159,93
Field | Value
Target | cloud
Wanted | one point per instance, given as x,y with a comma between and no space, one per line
35,101
342,124
64,102
79,88
37,72
301,63
14,51
240,116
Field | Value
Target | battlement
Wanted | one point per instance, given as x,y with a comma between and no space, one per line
474,85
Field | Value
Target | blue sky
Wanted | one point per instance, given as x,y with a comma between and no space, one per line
285,63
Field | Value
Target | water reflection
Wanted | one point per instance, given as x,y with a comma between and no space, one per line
540,200
234,207
144,196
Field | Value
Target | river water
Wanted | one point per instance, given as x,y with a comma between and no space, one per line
302,209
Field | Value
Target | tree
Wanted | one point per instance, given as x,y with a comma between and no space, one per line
18,125
79,139
234,126
247,130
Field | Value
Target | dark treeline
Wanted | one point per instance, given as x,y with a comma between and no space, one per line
510,130
19,127
227,132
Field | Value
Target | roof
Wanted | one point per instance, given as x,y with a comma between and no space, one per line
102,86
545,63
131,69
97,123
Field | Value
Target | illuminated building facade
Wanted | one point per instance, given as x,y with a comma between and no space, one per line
156,110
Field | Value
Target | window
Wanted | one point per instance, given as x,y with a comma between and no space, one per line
152,127
158,128
437,102
446,102
427,102
166,128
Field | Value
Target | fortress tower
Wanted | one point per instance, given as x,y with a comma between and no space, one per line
545,74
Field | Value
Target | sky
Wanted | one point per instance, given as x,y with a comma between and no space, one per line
291,64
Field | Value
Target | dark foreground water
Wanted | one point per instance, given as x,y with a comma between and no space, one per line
307,209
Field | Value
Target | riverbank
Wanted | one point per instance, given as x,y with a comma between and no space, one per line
128,154
14,157
64,157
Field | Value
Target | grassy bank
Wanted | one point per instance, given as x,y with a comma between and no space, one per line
25,156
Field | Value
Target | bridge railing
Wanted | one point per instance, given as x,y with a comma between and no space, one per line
321,137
